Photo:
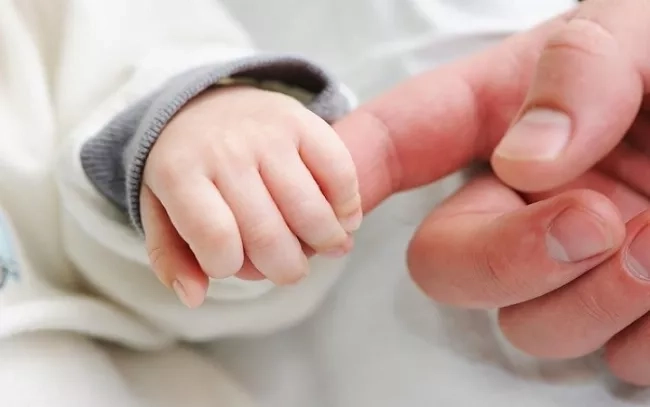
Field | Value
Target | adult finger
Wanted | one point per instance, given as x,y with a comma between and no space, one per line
628,202
586,92
483,248
628,353
629,165
440,121
639,134
580,317
170,257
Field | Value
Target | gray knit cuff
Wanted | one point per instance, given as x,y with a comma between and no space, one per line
114,159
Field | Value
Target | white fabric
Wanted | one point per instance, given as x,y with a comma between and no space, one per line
67,66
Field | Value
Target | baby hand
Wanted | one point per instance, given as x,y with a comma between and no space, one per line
243,179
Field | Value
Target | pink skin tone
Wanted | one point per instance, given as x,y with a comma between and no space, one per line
566,259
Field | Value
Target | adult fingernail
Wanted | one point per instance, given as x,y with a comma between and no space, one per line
540,135
191,293
637,258
577,235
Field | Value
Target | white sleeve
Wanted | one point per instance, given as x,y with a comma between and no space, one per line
121,68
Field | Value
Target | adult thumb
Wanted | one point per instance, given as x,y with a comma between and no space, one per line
586,92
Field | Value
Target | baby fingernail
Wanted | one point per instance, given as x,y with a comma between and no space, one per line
341,250
637,258
352,223
335,253
577,235
540,135
189,292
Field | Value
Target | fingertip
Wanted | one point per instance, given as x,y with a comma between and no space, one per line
291,275
572,116
341,250
352,222
178,269
222,263
253,275
531,176
249,272
539,135
621,354
190,291
170,258
530,156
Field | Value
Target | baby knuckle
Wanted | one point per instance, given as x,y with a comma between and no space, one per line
295,122
215,233
166,168
232,146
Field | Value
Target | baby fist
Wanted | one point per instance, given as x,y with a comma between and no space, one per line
242,180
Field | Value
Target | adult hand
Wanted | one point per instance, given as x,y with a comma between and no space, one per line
573,87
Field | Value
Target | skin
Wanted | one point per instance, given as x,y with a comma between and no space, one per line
246,181
499,251
560,258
